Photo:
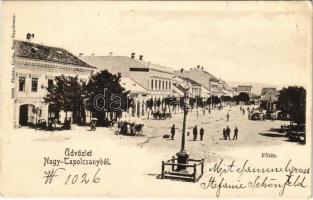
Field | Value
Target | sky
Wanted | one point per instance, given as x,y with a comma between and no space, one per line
262,42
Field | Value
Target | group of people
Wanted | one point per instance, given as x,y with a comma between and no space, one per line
194,132
227,131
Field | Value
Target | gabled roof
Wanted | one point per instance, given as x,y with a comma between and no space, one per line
41,52
177,89
271,96
201,76
265,90
190,80
132,86
226,86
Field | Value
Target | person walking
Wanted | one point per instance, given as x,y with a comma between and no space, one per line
235,133
224,133
227,116
228,132
195,133
173,131
201,133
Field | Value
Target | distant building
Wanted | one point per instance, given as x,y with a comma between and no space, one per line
269,100
156,79
245,89
36,67
204,78
265,90
228,91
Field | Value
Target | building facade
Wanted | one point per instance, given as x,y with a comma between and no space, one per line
36,67
156,79
245,89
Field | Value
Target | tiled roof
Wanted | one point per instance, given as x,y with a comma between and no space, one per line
46,53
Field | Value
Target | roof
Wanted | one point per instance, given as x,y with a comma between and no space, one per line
114,64
190,80
203,77
271,96
121,64
265,90
35,51
244,87
177,89
132,86
226,86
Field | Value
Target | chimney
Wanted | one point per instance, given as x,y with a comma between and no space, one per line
30,37
140,57
80,55
110,53
182,70
198,66
133,56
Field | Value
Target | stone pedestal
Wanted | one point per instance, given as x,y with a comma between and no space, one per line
182,158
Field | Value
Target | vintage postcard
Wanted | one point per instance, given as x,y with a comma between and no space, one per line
156,99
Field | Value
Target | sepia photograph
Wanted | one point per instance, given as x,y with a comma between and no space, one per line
139,99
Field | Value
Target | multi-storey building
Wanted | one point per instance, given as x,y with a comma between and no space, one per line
36,67
156,79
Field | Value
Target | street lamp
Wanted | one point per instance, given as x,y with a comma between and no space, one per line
183,155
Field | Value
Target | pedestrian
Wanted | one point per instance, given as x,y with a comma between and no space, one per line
228,132
224,134
201,133
235,133
227,116
195,133
173,131
128,129
243,111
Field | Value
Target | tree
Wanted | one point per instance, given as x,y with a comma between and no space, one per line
66,95
114,97
244,97
292,101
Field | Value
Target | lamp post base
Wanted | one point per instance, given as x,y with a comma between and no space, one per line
182,158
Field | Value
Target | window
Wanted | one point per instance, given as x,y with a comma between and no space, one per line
159,85
169,85
21,85
34,84
156,84
50,83
151,84
166,85
162,85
